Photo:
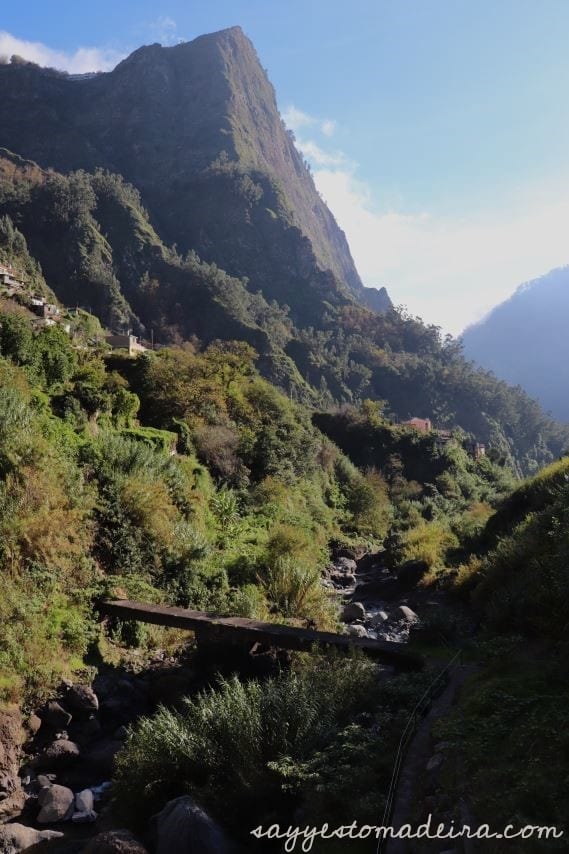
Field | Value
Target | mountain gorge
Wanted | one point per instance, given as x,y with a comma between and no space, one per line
290,452
524,341
167,196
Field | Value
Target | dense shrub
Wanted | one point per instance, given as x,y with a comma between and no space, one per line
227,745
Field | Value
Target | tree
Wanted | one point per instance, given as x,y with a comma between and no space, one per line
16,339
55,356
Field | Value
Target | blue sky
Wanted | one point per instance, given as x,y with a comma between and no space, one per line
438,130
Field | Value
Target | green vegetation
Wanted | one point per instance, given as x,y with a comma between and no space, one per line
186,471
246,750
98,248
508,726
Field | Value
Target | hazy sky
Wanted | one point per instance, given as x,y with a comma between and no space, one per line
438,130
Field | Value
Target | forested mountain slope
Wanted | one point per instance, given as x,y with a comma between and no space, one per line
524,341
167,196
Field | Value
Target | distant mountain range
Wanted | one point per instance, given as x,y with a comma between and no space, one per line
525,340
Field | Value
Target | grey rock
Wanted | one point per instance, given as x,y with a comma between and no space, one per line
82,698
346,565
182,826
357,631
342,579
34,723
43,792
353,611
84,801
379,619
59,754
407,614
17,837
57,804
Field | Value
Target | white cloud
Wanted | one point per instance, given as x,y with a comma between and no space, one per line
82,60
164,30
318,156
450,271
328,127
297,119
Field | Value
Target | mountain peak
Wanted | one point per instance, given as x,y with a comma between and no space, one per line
194,125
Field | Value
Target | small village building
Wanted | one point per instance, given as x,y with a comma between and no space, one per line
10,277
45,309
423,425
125,342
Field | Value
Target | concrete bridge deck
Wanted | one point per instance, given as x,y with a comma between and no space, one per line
211,629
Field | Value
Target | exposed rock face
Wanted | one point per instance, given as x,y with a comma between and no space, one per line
161,119
17,837
11,794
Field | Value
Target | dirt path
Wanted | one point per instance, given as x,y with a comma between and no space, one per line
415,772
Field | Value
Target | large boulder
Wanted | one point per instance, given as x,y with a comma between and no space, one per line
82,699
85,801
17,837
357,631
57,804
407,614
115,842
353,611
346,565
59,754
182,826
12,796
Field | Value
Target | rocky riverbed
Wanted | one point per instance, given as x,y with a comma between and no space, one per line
378,602
56,765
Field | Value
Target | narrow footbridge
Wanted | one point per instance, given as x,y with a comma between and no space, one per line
211,630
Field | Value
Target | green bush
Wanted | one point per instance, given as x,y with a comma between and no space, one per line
225,746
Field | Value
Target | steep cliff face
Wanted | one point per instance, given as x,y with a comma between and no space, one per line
196,129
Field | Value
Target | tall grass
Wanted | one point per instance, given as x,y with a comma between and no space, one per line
225,746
